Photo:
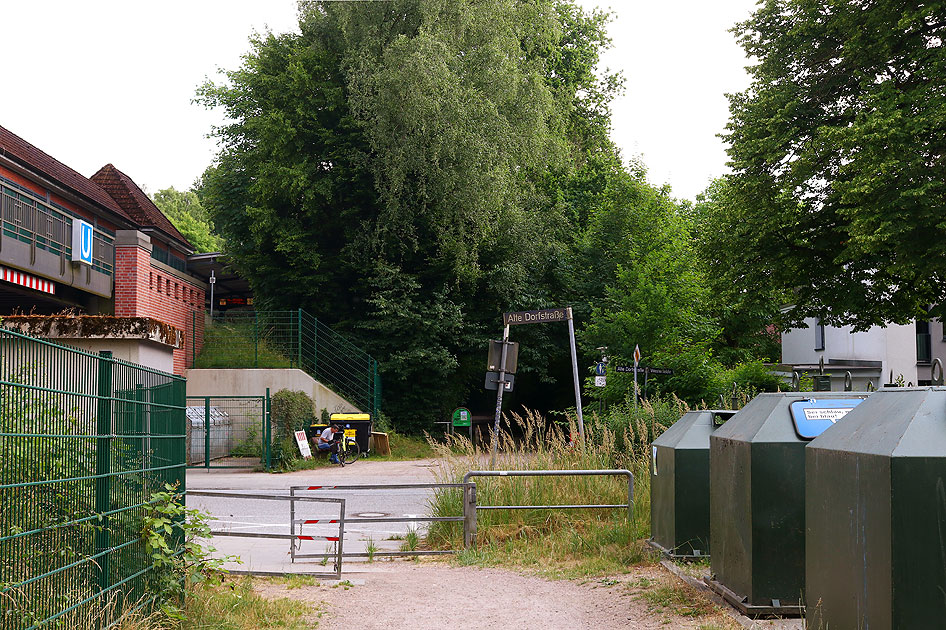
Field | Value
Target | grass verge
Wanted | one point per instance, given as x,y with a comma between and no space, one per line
554,543
234,605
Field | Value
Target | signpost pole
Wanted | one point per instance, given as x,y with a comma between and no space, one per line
571,343
501,382
637,360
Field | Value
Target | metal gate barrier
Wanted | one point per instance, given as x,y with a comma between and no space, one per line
293,538
295,495
229,431
470,505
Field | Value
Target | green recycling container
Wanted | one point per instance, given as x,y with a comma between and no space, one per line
757,498
679,485
876,515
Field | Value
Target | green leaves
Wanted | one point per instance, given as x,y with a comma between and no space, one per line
400,169
838,157
185,211
172,534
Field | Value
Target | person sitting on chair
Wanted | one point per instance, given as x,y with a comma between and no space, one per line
326,441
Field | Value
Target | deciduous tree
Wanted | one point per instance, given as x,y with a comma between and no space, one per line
839,157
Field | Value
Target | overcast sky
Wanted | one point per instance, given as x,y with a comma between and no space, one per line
112,81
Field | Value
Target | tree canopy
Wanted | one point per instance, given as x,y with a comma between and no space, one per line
184,210
837,149
409,170
391,169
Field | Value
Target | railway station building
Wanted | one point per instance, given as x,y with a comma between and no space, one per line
74,245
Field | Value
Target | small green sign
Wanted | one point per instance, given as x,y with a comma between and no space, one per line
462,417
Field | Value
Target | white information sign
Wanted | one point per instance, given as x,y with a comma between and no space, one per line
601,381
303,444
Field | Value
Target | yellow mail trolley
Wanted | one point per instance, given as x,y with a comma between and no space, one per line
357,425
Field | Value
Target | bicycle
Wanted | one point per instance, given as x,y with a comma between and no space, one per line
348,450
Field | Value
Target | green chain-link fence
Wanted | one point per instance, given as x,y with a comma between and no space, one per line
291,339
85,440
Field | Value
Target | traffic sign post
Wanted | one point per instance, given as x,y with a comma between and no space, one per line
535,317
501,386
637,360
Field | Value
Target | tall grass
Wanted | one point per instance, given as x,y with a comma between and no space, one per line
583,540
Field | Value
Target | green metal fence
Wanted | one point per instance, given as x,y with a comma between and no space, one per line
291,339
229,431
85,440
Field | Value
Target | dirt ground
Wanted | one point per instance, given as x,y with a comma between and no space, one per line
436,595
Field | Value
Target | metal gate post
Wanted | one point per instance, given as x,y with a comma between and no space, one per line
341,540
268,432
292,525
103,447
207,432
469,515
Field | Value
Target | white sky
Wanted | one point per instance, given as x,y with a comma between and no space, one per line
112,81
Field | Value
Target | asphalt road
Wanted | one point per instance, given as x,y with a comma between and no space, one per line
247,515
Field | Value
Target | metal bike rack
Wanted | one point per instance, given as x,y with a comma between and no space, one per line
293,538
470,507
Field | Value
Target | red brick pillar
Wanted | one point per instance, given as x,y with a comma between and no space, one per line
132,274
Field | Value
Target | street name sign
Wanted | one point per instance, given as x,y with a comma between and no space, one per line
536,317
643,370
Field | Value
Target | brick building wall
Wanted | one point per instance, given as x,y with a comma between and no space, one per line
145,289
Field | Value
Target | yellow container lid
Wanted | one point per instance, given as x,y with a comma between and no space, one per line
345,417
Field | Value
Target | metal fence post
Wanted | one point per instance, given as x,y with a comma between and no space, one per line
207,432
143,423
268,431
469,515
376,388
299,337
255,339
103,447
630,497
315,347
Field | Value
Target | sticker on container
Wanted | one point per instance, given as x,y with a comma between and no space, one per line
812,417
655,459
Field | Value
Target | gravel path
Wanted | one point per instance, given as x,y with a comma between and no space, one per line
433,595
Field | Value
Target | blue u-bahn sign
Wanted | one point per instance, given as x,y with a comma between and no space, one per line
81,241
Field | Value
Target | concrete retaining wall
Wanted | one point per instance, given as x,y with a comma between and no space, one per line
253,382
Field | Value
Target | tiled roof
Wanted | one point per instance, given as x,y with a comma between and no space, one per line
135,202
21,151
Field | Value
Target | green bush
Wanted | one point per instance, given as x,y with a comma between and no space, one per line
750,378
291,411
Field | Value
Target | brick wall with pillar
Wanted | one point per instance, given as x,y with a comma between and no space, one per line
145,287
